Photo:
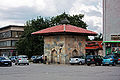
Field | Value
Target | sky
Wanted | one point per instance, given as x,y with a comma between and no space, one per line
17,12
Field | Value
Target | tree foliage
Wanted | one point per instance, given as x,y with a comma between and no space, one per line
75,20
34,44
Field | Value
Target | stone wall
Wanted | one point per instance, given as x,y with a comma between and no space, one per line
74,46
60,48
54,46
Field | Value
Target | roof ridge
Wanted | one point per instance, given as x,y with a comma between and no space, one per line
64,28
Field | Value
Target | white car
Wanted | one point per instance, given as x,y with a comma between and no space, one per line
77,60
22,59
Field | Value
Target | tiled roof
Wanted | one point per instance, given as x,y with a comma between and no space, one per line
65,28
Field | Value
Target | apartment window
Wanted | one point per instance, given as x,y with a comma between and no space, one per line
0,35
16,33
5,43
8,43
20,34
5,34
13,42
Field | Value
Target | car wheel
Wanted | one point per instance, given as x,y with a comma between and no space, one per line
72,64
99,64
39,61
80,63
107,64
113,64
103,64
15,63
96,63
18,63
10,64
27,63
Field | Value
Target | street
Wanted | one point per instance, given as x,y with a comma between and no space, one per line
59,72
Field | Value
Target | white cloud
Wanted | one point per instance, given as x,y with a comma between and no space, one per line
15,3
9,22
94,23
37,4
92,10
19,11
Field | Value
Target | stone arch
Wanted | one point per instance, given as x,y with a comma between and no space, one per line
53,56
75,53
70,55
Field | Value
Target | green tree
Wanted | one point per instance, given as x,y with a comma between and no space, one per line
34,44
75,20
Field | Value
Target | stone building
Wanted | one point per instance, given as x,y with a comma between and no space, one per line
64,41
9,35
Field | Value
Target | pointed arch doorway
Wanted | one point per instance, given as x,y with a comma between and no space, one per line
53,56
75,53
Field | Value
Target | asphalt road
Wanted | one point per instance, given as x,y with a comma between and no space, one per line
59,72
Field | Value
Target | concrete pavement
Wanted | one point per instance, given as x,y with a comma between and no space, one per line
59,72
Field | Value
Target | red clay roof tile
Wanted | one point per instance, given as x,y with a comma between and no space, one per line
64,28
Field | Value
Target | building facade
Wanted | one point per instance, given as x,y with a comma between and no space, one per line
60,48
111,26
9,35
94,48
62,42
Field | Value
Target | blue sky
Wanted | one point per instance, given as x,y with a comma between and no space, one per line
17,12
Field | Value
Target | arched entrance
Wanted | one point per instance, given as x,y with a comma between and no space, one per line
54,56
75,53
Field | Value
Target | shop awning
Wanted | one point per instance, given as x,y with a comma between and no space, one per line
118,41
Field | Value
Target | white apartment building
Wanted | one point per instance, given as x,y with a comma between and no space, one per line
111,26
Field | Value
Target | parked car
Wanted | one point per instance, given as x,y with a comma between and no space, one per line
93,59
110,60
5,61
38,59
118,60
13,58
33,57
77,60
22,59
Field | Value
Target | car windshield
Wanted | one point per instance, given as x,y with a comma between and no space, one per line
107,57
39,57
22,56
4,58
33,57
89,56
13,57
